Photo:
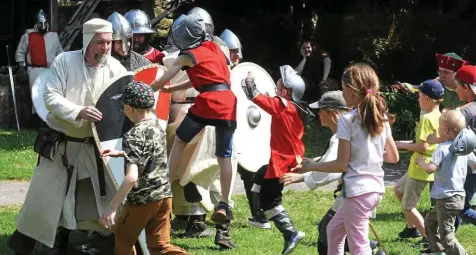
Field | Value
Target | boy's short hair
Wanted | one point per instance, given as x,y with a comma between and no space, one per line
454,120
137,95
433,89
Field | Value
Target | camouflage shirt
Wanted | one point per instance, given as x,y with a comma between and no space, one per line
145,146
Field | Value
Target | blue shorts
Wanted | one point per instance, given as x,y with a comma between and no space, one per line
189,128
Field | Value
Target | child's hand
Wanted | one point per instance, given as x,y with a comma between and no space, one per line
166,89
420,160
433,139
291,178
107,220
111,153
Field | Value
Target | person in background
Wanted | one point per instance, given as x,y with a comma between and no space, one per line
142,34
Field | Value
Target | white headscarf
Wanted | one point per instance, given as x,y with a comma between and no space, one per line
92,27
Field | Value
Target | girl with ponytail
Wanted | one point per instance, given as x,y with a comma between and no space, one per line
365,141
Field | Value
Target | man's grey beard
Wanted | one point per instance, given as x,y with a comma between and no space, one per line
100,58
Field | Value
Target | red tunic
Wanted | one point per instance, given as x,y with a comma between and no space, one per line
216,108
287,130
37,49
154,55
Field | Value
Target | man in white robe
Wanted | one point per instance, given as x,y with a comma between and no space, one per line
56,198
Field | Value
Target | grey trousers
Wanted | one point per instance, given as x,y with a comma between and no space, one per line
439,225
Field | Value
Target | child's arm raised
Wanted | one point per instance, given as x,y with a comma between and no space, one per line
271,105
180,62
132,174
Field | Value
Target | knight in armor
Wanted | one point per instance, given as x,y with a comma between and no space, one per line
234,44
37,49
142,35
70,187
122,44
208,72
287,148
257,218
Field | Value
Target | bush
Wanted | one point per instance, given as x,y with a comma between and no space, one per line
407,112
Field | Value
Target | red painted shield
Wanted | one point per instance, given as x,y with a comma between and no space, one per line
148,74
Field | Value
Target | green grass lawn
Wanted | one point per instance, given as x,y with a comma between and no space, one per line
17,158
306,208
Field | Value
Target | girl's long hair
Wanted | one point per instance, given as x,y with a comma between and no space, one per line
372,110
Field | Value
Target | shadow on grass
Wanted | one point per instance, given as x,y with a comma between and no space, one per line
17,140
3,245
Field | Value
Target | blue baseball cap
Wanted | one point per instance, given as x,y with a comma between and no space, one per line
432,88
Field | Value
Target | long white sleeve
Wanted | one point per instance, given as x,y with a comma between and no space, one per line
55,90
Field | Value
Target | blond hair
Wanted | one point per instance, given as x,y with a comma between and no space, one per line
454,120
372,110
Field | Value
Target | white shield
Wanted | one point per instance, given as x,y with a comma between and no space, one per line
37,91
253,133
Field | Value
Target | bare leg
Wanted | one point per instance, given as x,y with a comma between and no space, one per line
174,158
226,177
415,218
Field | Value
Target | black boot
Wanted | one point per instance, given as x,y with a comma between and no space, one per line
291,236
258,219
222,237
197,228
21,244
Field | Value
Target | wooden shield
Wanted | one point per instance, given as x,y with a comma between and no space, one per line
252,138
148,74
109,131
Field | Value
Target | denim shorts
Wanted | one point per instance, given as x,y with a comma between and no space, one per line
189,128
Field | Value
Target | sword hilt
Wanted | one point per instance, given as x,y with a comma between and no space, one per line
8,55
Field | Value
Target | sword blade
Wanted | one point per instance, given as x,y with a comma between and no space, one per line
12,85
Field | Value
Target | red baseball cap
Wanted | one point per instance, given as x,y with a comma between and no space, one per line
467,74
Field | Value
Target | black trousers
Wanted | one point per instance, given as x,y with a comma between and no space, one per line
248,181
271,190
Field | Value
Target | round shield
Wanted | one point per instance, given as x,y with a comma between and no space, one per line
37,91
253,132
148,74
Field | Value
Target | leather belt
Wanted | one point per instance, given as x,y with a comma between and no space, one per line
213,87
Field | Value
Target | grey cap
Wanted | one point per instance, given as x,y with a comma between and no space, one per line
331,99
464,144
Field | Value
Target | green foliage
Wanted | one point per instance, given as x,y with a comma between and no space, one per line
407,111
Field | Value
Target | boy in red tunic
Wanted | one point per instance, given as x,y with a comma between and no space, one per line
287,148
208,72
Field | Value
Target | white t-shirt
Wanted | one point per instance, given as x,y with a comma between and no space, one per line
315,179
451,173
364,173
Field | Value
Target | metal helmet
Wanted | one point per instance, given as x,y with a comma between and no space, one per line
170,46
293,81
464,143
121,30
210,27
42,21
140,22
189,32
232,41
